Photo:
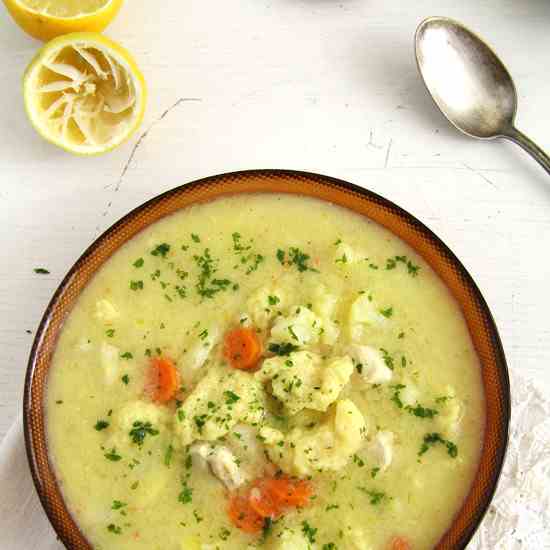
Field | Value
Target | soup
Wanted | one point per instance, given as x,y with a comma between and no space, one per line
265,371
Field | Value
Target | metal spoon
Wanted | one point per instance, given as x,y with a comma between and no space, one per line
470,84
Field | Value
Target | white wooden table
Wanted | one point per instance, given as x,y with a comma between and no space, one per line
319,85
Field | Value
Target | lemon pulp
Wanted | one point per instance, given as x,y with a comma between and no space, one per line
84,93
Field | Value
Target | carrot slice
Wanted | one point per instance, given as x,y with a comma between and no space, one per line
400,543
243,516
290,492
242,348
263,502
269,497
165,379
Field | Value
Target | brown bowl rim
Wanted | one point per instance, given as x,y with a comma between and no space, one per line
314,179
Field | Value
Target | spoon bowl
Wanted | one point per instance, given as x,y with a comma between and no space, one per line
469,83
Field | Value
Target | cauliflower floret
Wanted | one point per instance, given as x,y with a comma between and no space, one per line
198,354
451,412
328,446
264,304
380,450
363,313
301,327
125,419
345,254
223,398
140,411
409,394
302,380
324,305
222,462
109,358
373,368
106,312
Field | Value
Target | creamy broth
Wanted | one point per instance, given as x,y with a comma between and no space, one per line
368,388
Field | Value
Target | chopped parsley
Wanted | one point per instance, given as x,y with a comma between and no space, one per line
101,425
140,430
112,528
126,355
396,397
375,497
112,455
206,285
204,334
117,505
342,260
125,379
136,285
387,313
188,462
282,349
273,300
250,259
161,250
292,333
297,258
309,532
257,259
41,271
225,533
168,455
412,269
200,421
237,245
139,263
374,472
432,439
110,332
195,238
230,397
388,359
358,460
329,546
443,399
421,412
197,517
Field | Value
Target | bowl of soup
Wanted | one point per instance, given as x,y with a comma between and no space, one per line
267,359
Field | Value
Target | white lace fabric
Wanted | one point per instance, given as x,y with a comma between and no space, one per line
519,515
518,518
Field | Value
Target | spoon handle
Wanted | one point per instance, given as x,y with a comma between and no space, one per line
530,146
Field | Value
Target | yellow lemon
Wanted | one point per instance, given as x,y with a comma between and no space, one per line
84,93
46,19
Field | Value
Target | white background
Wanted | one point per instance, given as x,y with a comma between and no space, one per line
320,85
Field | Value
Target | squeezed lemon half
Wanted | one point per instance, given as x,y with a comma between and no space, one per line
84,93
46,19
